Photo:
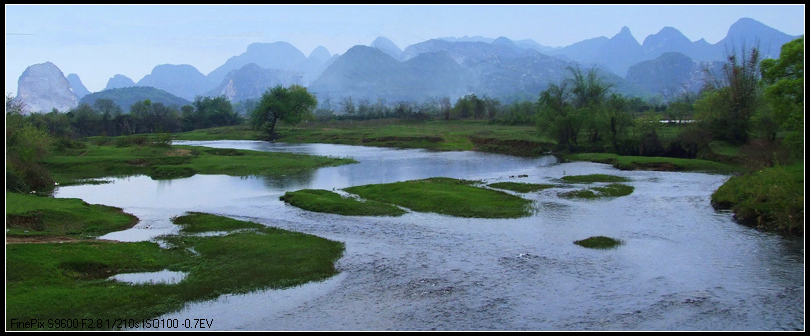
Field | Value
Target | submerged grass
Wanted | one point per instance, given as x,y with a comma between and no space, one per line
610,190
520,187
31,215
193,222
330,202
70,281
447,196
656,163
594,178
599,242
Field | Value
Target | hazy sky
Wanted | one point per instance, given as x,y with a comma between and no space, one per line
97,42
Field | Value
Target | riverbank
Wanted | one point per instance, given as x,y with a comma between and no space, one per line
74,285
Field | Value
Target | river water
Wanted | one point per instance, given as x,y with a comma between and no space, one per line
683,265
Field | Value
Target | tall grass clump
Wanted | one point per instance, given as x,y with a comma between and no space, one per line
770,199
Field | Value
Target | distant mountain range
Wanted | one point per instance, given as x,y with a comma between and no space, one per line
665,64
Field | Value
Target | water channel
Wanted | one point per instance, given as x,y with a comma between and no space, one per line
683,265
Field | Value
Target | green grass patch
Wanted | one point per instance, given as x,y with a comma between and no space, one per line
447,196
77,165
330,202
70,280
520,187
193,222
656,163
31,215
610,190
594,178
599,242
770,199
446,135
240,132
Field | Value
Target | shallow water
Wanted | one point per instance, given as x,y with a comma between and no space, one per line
159,277
683,265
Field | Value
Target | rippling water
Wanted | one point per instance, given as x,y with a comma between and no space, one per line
684,266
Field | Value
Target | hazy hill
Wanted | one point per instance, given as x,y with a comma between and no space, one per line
181,80
389,47
78,88
369,73
250,81
496,67
125,97
118,82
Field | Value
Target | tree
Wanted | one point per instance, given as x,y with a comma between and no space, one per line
738,97
290,105
557,119
784,92
589,92
26,146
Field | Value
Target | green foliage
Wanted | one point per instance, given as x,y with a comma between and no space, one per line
330,202
207,112
557,118
770,199
290,105
732,100
599,242
447,196
784,90
26,146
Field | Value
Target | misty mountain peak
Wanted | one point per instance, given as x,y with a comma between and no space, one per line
667,39
43,87
387,46
624,35
320,53
504,42
119,81
76,84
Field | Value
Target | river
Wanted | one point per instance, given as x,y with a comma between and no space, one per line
683,265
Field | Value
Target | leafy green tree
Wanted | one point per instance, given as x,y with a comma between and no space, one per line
557,118
26,146
85,120
210,112
109,111
737,96
618,122
290,105
590,92
784,91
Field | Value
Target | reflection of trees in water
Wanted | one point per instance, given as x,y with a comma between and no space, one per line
289,180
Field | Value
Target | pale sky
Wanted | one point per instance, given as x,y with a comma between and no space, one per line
97,42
